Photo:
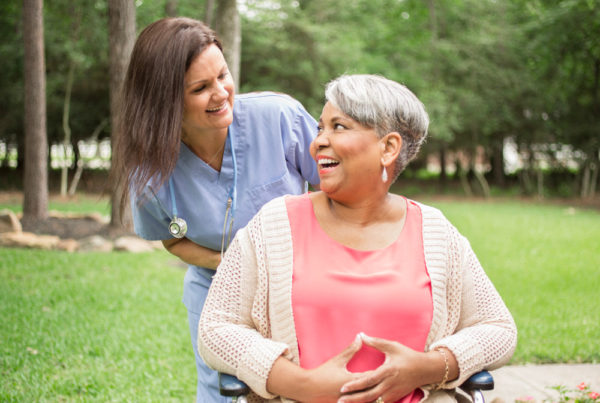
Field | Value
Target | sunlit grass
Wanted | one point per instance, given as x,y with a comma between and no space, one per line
93,327
79,203
545,262
111,327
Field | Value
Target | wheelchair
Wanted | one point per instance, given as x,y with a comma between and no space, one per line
230,386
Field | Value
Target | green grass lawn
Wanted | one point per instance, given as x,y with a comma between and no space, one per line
111,327
79,203
93,327
545,262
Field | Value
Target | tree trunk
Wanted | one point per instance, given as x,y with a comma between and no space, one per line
229,30
462,175
497,162
443,171
208,12
121,22
171,8
525,181
540,182
528,171
595,172
76,152
76,14
21,154
35,181
585,181
593,181
485,187
589,176
66,128
80,163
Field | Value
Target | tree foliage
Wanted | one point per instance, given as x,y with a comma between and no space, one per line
487,70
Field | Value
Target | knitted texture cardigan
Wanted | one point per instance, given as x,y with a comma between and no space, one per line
247,321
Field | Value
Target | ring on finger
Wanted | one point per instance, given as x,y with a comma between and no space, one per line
379,400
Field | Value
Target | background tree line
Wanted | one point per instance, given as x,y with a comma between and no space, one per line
488,71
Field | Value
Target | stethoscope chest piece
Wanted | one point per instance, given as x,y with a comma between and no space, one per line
178,227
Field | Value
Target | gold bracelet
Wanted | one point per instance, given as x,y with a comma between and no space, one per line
446,370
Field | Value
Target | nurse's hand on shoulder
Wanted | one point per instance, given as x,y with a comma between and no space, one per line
192,253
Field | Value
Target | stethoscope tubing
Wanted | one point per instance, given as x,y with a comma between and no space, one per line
178,226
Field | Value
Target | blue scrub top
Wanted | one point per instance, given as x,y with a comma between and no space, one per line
271,136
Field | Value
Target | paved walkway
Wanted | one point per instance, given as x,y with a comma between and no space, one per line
517,381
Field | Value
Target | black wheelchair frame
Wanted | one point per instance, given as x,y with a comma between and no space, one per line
230,386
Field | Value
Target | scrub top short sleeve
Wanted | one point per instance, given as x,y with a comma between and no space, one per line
150,219
297,144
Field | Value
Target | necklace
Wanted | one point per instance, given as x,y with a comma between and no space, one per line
215,155
213,158
197,149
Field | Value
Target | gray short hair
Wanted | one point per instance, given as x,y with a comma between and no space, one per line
383,105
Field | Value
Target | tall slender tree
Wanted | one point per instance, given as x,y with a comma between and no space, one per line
228,27
121,21
171,8
35,183
66,124
208,12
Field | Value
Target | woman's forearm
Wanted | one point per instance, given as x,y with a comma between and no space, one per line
440,366
193,253
288,379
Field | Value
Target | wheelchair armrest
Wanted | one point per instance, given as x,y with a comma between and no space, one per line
229,385
482,380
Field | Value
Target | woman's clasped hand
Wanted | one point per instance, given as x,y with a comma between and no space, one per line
401,372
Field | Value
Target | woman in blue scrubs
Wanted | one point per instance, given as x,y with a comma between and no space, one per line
199,161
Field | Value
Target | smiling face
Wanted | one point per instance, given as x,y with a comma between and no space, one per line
347,153
208,94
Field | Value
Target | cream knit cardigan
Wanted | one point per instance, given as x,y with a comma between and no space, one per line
247,321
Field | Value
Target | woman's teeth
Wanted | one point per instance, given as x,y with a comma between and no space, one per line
327,163
215,109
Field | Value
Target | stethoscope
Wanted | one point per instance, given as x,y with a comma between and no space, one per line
178,226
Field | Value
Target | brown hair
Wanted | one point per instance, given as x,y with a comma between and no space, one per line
149,125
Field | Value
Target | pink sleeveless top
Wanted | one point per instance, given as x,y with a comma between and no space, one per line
338,291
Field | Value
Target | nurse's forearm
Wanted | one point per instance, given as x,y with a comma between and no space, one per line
193,253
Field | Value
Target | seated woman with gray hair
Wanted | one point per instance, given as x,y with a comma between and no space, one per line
352,293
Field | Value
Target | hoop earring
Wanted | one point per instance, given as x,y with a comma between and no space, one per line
384,175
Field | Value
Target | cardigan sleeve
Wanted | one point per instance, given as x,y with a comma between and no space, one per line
231,331
479,330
